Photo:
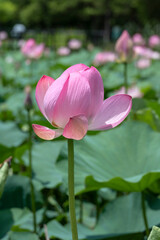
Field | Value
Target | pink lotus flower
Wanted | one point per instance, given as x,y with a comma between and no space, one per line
124,47
63,51
74,104
74,44
104,57
133,91
31,50
138,39
143,63
154,41
28,46
37,51
146,52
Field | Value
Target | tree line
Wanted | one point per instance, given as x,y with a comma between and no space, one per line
84,14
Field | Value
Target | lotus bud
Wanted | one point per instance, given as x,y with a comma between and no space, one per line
124,47
28,100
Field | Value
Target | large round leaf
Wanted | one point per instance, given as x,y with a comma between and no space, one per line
17,193
17,219
14,217
111,223
44,156
10,135
23,235
125,158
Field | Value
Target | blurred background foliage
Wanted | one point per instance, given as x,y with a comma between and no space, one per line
117,170
83,14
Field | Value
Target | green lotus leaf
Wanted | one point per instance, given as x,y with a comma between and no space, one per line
17,220
125,158
44,156
111,224
10,135
23,235
16,193
155,234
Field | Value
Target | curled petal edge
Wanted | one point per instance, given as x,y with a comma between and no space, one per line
45,132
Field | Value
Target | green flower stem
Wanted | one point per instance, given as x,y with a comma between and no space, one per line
30,172
144,213
71,189
125,77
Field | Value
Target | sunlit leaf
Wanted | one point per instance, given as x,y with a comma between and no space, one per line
155,234
125,158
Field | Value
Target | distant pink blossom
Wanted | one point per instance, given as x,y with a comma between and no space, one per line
3,35
140,50
74,104
154,41
31,50
133,91
37,51
124,47
146,52
138,39
104,57
143,63
74,44
28,46
63,51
